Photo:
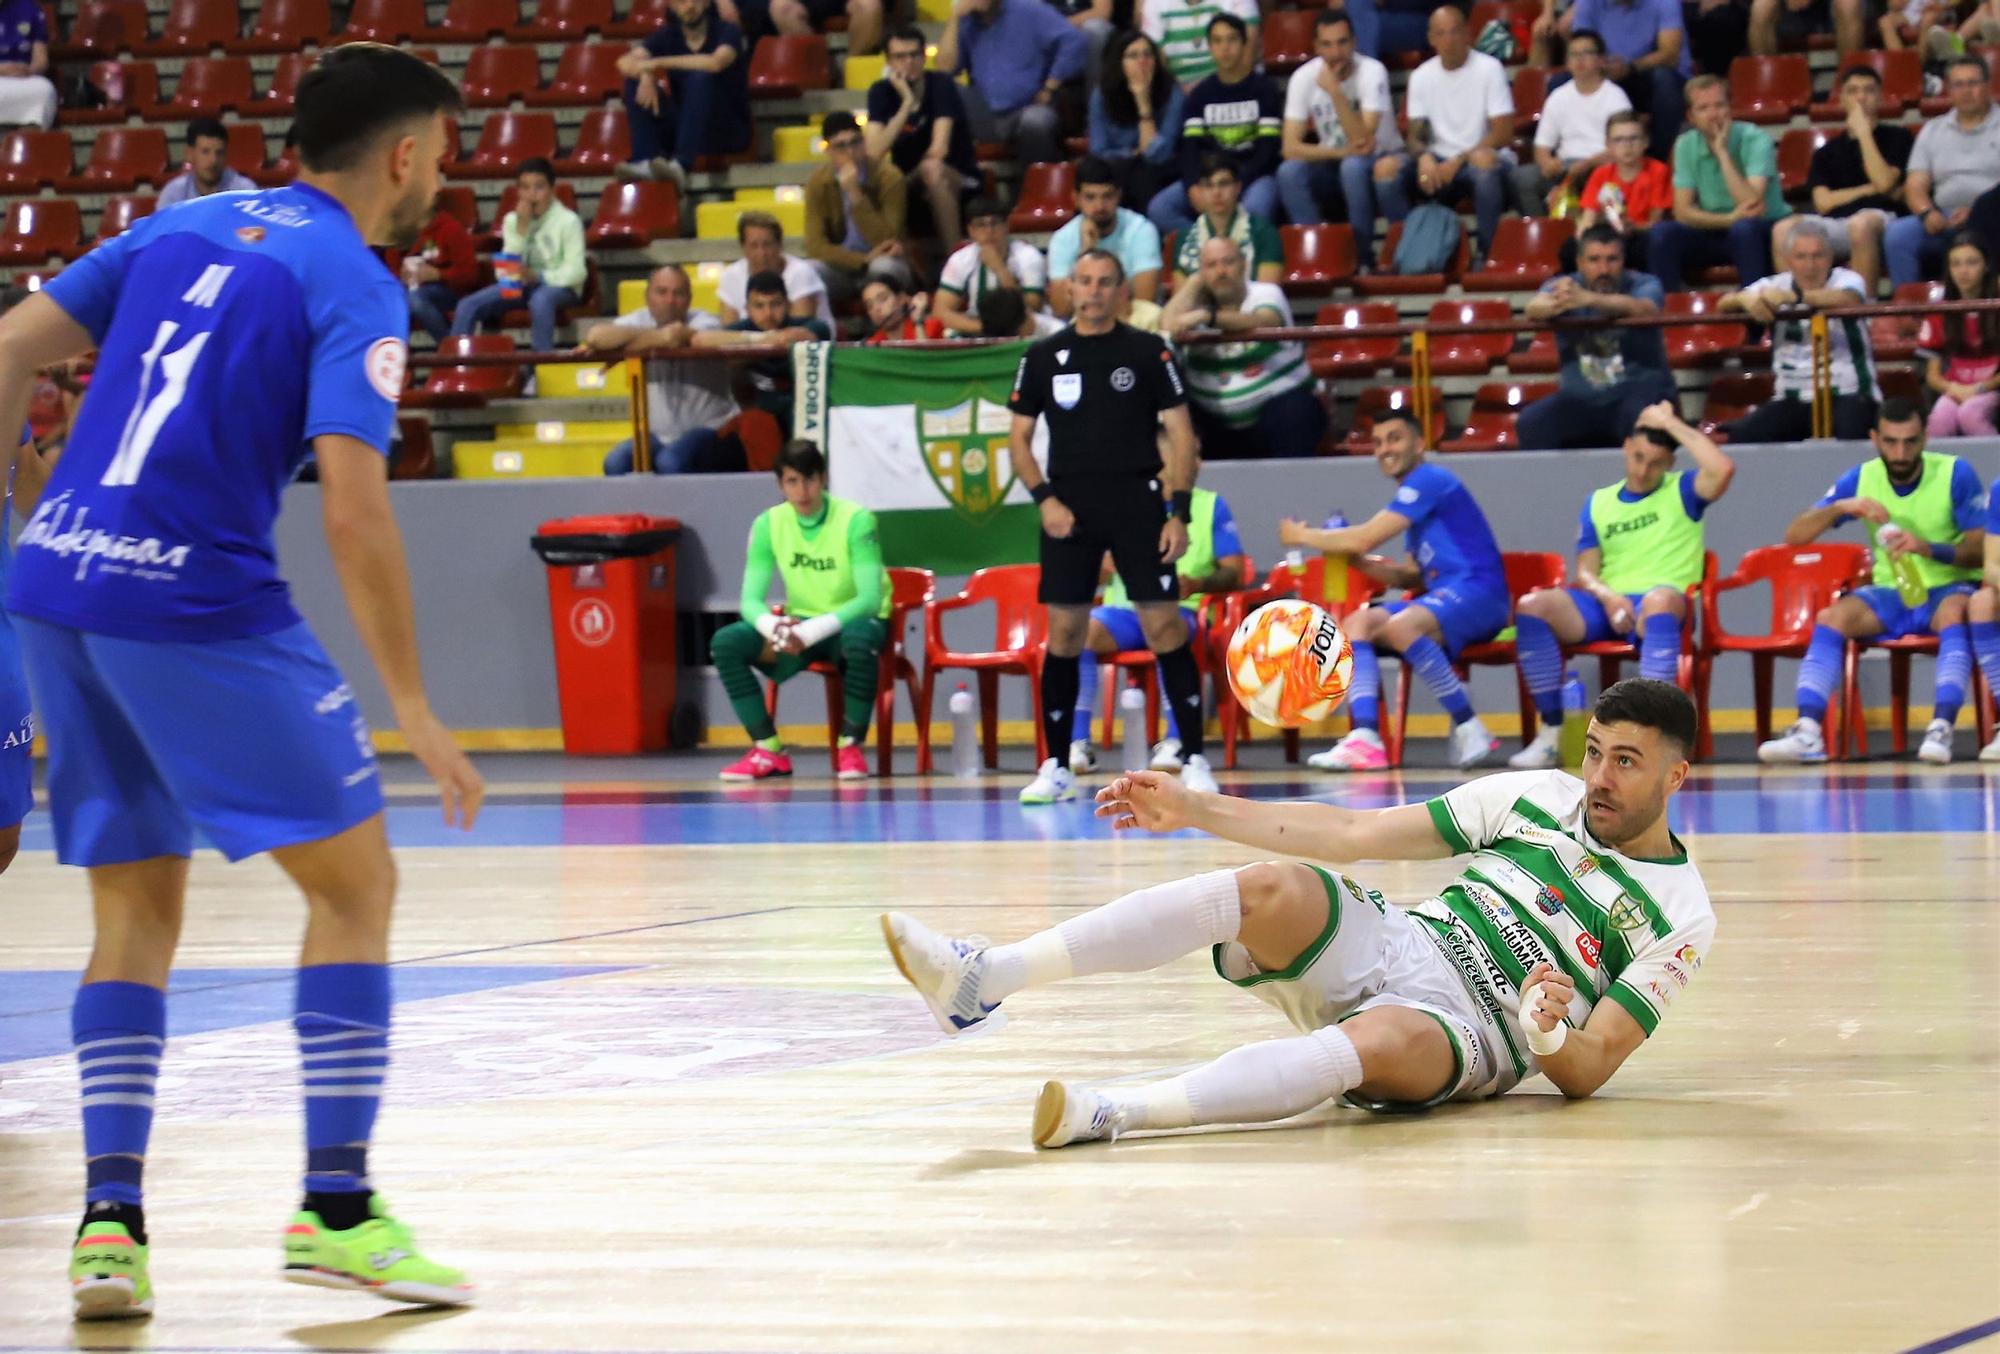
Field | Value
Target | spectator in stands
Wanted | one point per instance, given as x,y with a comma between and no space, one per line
441,267
1630,194
1218,194
898,316
1718,31
1570,141
1135,116
1235,113
766,323
917,119
207,169
1787,25
797,18
1097,21
1100,223
856,208
1811,282
548,239
1021,54
1249,399
702,107
1343,99
1955,160
27,98
761,236
1461,110
1961,352
1726,192
1002,314
685,397
1610,374
1180,28
1854,180
1645,54
992,260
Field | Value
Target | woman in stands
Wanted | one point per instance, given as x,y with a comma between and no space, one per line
1135,116
1963,349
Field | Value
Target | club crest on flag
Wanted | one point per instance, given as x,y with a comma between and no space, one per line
965,450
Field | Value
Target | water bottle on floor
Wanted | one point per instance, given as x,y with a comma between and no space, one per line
1132,719
1576,721
964,735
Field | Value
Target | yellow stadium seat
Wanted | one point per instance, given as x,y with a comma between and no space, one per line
553,431
717,220
704,277
583,380
631,295
756,197
863,71
934,11
797,145
508,460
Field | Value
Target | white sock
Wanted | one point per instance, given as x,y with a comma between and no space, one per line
1255,1084
1142,930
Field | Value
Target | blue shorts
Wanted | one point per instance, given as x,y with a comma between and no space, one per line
1899,621
1466,613
257,742
1597,625
1122,623
17,734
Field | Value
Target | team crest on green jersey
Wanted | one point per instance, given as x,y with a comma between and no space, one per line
965,450
1627,915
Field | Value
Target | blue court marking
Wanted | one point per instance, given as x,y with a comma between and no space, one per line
1958,1339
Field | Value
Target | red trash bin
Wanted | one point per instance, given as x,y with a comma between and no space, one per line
611,610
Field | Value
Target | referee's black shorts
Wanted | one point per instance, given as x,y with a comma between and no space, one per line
1121,514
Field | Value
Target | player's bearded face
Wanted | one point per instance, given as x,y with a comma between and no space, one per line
1627,775
416,200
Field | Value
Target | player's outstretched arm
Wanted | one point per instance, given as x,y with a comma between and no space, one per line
1156,801
1581,1060
367,550
35,334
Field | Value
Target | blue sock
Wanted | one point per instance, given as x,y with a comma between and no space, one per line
1364,693
1660,647
119,1031
1541,660
343,1025
1427,660
1986,647
1819,673
1086,697
1954,671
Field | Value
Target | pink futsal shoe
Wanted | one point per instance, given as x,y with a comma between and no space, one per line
757,764
850,763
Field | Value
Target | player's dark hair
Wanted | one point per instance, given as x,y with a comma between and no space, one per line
1091,170
1002,311
1119,105
1659,437
982,207
1595,37
1215,162
1229,21
1117,264
535,164
767,283
357,92
803,456
892,279
750,221
1898,409
1327,18
1865,72
1401,416
1651,704
1602,233
209,127
836,122
1971,60
906,33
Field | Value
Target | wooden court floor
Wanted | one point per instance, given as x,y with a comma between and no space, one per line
674,1097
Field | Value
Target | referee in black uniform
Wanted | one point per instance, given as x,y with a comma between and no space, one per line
1106,389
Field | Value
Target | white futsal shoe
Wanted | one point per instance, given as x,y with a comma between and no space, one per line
1937,744
945,971
1803,742
1544,754
1473,744
1082,757
1054,783
1991,752
1197,776
1065,1114
1166,755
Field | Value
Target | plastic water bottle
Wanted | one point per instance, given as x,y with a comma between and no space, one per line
1909,579
1336,565
1576,720
964,737
1132,719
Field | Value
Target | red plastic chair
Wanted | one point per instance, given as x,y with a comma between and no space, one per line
1495,407
1855,716
285,26
1288,40
1894,337
475,20
282,92
1465,354
603,141
463,203
1699,345
416,459
633,215
209,87
31,159
1525,254
1612,654
1377,400
564,21
195,26
1020,645
496,76
121,159
487,237
640,18
246,151
467,387
1804,580
910,591
390,21
784,67
1358,356
1795,152
39,229
1769,89
1047,198
1531,91
1386,281
1317,258
1732,396
137,84
104,29
1540,358
507,139
120,211
1902,75
586,72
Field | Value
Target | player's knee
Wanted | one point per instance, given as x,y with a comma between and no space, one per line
736,644
1663,602
1165,631
1838,616
1283,908
1985,605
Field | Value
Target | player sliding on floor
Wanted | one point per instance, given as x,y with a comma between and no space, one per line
1558,948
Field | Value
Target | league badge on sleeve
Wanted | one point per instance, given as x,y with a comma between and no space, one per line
1068,389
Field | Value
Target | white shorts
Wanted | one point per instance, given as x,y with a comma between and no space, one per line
1369,955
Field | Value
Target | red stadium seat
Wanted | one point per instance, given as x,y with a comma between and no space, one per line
475,20
496,76
31,159
1540,357
389,21
462,387
209,87
1804,580
564,21
284,86
39,229
125,87
633,215
120,211
911,590
104,29
1020,645
1902,75
416,457
784,67
1363,355
1386,281
1900,382
1894,337
1699,345
1047,198
193,27
1317,258
1769,89
1494,407
1795,152
1732,396
463,203
640,18
1465,354
586,73
488,237
286,26
1524,255
603,142
247,151
1531,91
1375,401
121,160
1288,39
505,141
1854,713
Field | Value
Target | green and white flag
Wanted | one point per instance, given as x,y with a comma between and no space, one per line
920,437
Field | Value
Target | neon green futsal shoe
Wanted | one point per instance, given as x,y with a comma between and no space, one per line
108,1274
378,1257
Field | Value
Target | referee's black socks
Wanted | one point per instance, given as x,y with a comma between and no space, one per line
1183,682
1059,689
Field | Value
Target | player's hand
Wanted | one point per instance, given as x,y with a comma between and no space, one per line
459,785
1151,801
1867,509
1898,542
1662,416
1057,520
786,640
1618,614
1173,540
1553,1005
1291,531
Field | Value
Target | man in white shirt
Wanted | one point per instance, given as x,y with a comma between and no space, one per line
682,397
207,169
991,260
1461,124
762,238
1812,282
1342,98
1248,399
1570,138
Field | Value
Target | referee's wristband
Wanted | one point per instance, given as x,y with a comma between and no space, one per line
1182,505
1042,493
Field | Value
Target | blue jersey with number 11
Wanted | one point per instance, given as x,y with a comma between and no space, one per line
231,331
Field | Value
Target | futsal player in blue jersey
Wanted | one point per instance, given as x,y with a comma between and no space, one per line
1984,610
1464,599
17,717
180,691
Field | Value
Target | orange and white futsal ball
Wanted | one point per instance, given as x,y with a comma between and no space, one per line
1289,663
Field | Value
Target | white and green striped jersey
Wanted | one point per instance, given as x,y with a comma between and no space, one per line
1180,27
1233,380
1540,888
